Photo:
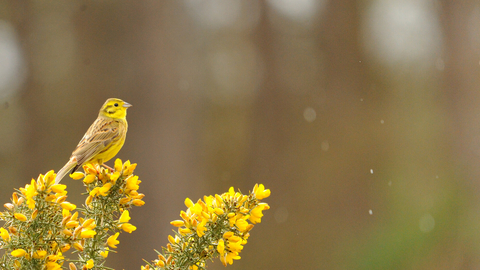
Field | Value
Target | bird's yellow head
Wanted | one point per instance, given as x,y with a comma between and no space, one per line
115,108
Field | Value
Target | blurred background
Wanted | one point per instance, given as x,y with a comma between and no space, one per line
362,118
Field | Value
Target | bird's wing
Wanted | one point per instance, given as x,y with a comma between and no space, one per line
100,134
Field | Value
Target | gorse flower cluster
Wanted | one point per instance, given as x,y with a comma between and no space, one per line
40,225
215,226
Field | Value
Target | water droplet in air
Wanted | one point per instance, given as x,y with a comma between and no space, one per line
427,223
310,114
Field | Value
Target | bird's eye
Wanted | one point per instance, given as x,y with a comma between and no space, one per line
116,104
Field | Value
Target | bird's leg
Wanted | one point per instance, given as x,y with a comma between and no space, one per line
108,167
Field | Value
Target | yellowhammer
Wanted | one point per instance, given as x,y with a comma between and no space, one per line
103,139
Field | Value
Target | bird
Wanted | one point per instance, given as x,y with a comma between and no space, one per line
102,141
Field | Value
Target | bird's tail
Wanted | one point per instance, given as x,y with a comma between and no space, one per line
65,170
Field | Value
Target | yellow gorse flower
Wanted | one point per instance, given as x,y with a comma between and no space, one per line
89,224
78,246
4,234
59,188
118,165
40,254
87,233
104,253
260,192
221,247
132,183
112,241
256,213
89,264
77,175
125,217
19,253
20,216
104,190
89,179
65,248
128,227
138,202
53,266
30,191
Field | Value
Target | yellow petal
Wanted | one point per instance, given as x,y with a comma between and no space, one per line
177,223
118,165
78,246
71,224
138,202
65,248
68,206
4,234
20,217
89,178
89,223
18,253
87,233
89,264
221,247
49,177
188,202
40,254
112,240
77,175
104,253
128,227
94,191
114,176
104,190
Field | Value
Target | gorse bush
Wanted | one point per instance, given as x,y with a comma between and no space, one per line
41,226
215,226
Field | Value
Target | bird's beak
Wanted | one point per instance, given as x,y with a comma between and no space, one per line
126,105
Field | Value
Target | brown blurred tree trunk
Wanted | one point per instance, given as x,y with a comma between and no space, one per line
329,184
462,80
